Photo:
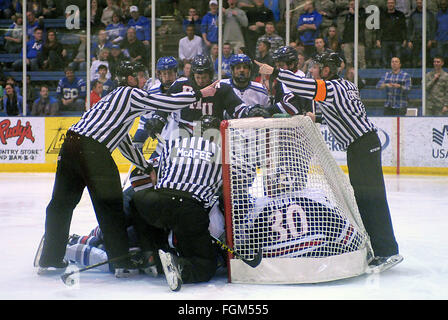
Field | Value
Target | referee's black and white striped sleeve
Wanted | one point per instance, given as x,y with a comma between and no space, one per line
111,118
318,90
130,152
141,100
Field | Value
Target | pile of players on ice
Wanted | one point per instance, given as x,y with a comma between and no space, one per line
174,212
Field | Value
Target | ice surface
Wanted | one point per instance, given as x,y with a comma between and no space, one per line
419,213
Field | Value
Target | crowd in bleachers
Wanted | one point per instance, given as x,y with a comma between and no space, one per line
121,29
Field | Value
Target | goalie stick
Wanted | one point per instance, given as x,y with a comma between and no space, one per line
250,262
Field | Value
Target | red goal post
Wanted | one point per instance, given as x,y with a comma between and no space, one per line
284,192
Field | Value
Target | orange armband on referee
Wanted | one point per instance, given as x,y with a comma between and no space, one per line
321,91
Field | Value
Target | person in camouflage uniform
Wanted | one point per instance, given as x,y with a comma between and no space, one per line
437,89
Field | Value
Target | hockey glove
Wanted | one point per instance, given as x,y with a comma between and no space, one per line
155,125
258,111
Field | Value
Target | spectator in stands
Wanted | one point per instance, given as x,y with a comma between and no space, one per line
392,34
12,102
415,33
108,84
115,57
442,30
35,6
274,6
14,34
225,63
141,25
10,80
49,9
186,71
96,92
30,91
53,54
308,27
190,45
108,12
34,47
214,51
350,76
437,89
257,15
116,30
194,19
125,8
235,23
96,13
133,48
33,23
327,9
45,105
71,91
332,40
397,84
6,11
79,61
270,35
348,40
100,44
264,53
209,26
103,59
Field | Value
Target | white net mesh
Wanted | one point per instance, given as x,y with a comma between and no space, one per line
288,195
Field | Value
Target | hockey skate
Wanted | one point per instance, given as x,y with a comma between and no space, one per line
39,252
171,270
380,264
53,268
50,268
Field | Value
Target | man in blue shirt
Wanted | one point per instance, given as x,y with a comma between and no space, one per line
71,91
33,48
442,29
209,25
308,27
397,84
141,25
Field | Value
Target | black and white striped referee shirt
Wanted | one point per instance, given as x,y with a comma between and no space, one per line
111,118
340,103
191,165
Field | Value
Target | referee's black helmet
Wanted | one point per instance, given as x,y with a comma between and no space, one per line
202,64
209,122
128,68
285,54
331,60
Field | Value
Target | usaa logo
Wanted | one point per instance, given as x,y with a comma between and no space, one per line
440,143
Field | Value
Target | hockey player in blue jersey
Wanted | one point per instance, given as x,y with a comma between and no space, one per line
71,91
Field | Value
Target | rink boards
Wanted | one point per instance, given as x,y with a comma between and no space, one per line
411,145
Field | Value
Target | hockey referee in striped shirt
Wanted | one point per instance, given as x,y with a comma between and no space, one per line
188,182
347,120
85,160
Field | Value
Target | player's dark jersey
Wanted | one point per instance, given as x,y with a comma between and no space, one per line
224,104
287,102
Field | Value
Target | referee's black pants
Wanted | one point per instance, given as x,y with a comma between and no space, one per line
366,176
84,162
158,211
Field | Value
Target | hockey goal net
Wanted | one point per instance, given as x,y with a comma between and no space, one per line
285,194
